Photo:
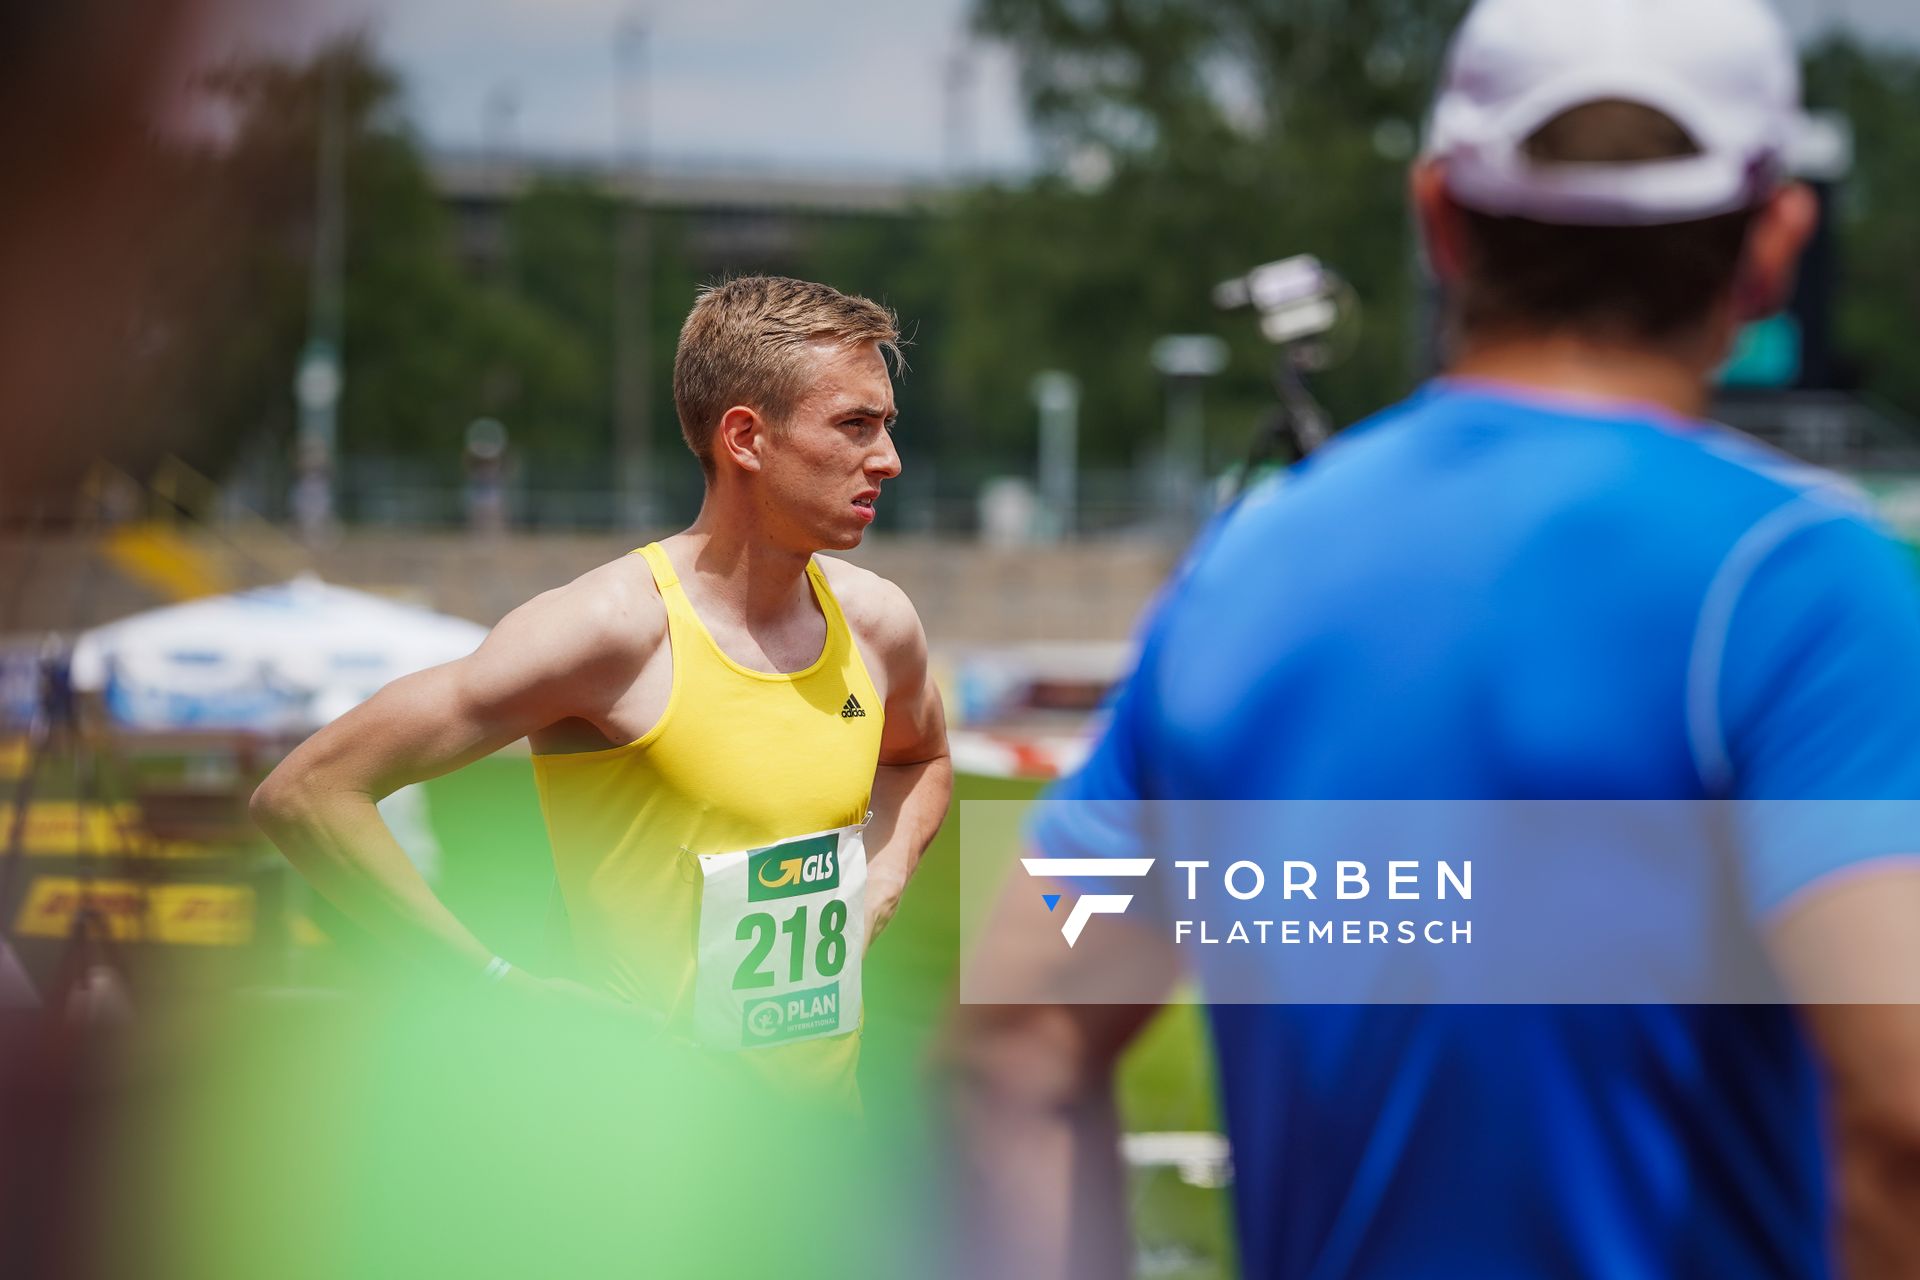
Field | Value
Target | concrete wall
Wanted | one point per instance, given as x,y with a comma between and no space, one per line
967,594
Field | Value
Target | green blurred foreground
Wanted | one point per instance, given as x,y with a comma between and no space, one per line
433,1131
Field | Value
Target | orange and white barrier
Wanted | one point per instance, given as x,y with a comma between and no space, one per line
1013,755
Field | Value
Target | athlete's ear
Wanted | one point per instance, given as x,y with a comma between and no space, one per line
740,438
1442,240
1779,235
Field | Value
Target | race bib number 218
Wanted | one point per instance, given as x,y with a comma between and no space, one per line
782,933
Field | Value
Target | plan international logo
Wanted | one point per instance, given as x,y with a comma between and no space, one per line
1092,904
793,1015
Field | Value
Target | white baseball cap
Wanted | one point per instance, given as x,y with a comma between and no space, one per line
1723,70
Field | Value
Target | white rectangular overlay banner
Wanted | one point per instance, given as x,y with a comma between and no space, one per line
1419,902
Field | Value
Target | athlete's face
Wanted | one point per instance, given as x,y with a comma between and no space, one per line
822,469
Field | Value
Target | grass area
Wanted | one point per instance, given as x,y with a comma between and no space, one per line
498,876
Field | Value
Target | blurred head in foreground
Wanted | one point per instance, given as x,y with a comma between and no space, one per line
84,86
1614,173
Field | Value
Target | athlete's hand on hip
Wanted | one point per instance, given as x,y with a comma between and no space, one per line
878,913
565,993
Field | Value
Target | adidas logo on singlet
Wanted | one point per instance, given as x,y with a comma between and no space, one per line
852,709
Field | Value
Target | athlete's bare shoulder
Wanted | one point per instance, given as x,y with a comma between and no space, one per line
611,611
878,610
608,620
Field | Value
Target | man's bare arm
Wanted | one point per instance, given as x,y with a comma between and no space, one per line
1042,1191
914,782
566,654
1850,952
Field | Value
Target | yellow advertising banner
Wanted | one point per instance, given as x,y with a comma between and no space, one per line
202,915
66,829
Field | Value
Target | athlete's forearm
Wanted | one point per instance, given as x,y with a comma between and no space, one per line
909,803
335,838
1042,1190
1877,1194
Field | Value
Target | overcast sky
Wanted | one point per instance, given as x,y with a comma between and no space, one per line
856,83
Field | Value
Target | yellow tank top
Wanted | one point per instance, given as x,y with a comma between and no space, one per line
739,759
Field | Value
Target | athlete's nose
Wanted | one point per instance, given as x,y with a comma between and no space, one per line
886,463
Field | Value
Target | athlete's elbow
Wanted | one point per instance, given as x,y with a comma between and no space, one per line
1022,1058
281,803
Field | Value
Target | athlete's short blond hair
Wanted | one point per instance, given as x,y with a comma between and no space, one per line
743,344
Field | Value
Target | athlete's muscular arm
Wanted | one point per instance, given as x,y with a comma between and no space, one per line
1041,1193
567,654
1851,957
1042,1189
914,781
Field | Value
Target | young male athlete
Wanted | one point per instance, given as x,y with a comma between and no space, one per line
1545,577
739,752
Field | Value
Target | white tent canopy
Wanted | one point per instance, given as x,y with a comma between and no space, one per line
286,658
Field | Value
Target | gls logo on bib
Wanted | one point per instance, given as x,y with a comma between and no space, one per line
797,867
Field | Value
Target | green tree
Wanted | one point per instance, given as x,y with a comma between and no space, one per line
1878,90
561,265
1188,141
426,346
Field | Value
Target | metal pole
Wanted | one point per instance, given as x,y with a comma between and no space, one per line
1186,361
1186,445
317,382
632,434
497,116
956,101
1058,396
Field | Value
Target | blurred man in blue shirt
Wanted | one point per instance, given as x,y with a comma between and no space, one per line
1544,577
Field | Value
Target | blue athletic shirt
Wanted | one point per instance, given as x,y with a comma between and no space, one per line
1493,594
